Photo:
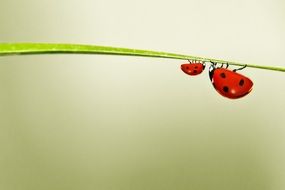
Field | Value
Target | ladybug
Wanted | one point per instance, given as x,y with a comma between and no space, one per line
229,83
193,68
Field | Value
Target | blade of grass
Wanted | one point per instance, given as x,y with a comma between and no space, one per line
7,49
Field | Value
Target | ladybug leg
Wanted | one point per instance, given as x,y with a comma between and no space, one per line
235,70
222,66
227,65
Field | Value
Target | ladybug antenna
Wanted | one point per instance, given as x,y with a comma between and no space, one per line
235,70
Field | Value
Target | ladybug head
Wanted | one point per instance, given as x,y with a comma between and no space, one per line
211,71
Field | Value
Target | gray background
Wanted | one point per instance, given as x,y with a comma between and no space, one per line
111,122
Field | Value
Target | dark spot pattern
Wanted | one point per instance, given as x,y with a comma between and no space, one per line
196,67
241,82
195,71
226,89
187,67
223,75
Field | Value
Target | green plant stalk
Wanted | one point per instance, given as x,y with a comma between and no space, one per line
7,49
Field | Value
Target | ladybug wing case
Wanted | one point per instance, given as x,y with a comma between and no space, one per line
230,84
193,68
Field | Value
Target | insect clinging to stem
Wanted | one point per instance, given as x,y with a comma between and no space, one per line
193,67
228,82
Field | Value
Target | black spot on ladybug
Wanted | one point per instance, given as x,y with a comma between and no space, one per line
223,75
195,71
187,67
196,67
241,82
226,89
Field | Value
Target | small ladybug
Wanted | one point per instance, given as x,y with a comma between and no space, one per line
229,83
193,68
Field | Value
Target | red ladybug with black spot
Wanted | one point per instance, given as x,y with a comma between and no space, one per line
229,83
193,68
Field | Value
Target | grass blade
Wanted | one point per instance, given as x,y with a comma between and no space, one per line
7,49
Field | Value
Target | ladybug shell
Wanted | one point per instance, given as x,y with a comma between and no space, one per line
192,68
230,84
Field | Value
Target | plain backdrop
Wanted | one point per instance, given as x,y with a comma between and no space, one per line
112,122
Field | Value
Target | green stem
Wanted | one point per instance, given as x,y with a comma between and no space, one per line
44,48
